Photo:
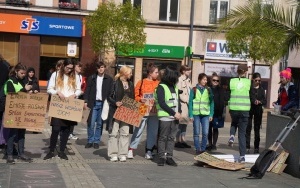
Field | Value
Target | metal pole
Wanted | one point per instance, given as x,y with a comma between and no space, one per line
191,29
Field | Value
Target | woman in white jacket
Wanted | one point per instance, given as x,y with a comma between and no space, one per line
184,85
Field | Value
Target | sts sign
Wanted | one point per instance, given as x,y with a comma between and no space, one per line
218,49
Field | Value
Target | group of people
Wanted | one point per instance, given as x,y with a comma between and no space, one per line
176,105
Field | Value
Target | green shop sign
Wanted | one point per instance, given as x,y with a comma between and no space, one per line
158,51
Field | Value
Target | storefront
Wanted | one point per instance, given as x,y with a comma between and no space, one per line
38,41
161,55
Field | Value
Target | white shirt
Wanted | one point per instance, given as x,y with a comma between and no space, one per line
65,90
99,87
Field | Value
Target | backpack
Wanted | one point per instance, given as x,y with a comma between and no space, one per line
262,164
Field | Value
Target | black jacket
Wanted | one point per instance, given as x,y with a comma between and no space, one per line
4,70
117,94
35,84
220,95
91,89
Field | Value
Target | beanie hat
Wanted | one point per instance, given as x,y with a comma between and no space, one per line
242,67
287,73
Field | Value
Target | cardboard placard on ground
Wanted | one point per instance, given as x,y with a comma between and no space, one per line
68,109
150,102
25,111
131,111
218,163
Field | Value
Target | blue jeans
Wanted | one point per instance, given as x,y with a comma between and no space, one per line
16,135
152,130
95,131
200,121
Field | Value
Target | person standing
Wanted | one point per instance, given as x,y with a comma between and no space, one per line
65,84
184,85
146,86
239,107
118,141
4,72
78,72
32,80
168,112
258,100
201,111
16,84
97,90
219,107
288,96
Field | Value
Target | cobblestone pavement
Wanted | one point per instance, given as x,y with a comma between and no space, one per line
91,167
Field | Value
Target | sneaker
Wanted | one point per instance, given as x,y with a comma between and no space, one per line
148,155
185,145
122,159
213,148
114,159
49,155
179,145
256,151
25,158
230,141
88,145
96,146
62,155
208,148
161,162
10,159
171,162
130,154
73,137
242,160
198,152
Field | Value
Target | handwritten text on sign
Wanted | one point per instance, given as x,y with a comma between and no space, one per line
150,102
130,112
25,111
68,109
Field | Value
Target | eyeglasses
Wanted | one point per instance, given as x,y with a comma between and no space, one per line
257,80
68,68
216,80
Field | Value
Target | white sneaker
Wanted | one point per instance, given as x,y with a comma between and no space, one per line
73,137
114,159
148,155
130,154
122,159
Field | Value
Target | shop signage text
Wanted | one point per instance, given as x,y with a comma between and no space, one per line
40,25
218,49
160,51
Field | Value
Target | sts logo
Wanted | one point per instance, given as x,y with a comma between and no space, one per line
30,24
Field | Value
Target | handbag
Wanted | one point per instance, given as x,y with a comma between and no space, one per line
218,122
105,110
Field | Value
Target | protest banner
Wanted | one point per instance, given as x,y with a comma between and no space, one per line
131,111
25,111
218,163
68,109
150,102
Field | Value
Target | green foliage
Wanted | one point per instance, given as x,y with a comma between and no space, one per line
119,27
263,32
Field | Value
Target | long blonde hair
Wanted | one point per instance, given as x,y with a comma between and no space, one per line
72,76
124,70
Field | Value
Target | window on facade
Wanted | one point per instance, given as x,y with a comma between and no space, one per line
75,4
218,9
168,10
135,3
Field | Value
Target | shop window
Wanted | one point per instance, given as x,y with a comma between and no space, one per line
160,64
9,47
168,10
218,9
135,3
69,4
128,62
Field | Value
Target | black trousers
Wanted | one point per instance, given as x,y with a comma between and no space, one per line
167,131
65,132
256,114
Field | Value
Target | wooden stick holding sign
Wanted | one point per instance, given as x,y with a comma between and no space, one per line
68,109
131,111
25,111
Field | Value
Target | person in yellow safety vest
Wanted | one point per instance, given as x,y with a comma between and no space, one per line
169,113
16,84
201,111
239,107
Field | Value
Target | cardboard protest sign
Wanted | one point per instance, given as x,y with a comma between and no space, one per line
218,163
131,111
68,109
25,111
150,102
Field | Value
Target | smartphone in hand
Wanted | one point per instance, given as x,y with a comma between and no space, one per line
29,82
